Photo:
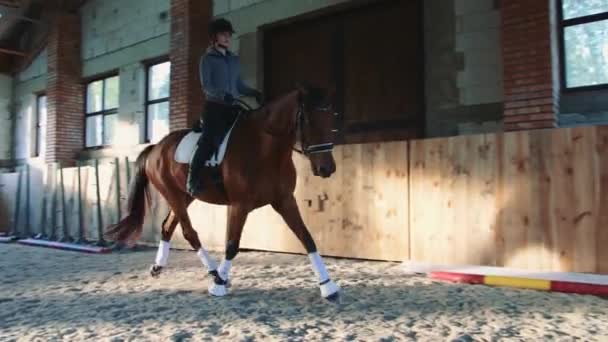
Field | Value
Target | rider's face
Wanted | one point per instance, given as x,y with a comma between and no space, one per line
224,39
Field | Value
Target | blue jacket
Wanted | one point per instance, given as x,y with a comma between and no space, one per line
221,74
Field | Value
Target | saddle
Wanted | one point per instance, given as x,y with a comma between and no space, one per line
186,147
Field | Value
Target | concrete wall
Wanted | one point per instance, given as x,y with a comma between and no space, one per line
38,68
6,122
118,36
463,66
28,84
117,33
462,53
582,108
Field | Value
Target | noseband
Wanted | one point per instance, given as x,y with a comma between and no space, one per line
308,149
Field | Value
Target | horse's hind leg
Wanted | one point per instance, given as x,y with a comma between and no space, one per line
288,208
192,237
175,201
162,255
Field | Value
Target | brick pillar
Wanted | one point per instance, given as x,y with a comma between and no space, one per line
189,39
65,93
531,64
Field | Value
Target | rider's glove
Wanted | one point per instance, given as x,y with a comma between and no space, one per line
228,98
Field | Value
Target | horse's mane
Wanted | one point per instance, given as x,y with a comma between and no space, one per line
314,96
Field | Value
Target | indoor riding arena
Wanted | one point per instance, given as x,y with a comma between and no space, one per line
380,170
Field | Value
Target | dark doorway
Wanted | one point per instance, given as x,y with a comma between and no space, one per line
371,51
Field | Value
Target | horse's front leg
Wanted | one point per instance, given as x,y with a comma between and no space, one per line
287,207
237,215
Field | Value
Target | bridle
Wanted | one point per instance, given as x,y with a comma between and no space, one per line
301,119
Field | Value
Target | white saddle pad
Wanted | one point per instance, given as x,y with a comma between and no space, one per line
186,146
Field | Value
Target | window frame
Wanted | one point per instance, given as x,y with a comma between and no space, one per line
37,150
147,102
103,112
562,25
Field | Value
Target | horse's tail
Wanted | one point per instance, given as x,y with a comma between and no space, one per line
130,227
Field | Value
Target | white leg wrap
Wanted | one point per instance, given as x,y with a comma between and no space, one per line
318,266
206,259
224,269
162,255
328,287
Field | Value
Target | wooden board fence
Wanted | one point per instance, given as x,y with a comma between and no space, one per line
534,200
359,212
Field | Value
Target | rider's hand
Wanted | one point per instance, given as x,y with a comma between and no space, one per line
259,98
228,98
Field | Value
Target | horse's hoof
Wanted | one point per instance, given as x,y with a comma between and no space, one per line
217,290
155,271
334,298
330,291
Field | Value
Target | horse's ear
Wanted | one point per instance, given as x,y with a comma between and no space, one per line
302,90
298,85
331,91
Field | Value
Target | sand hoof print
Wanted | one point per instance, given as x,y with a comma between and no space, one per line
217,290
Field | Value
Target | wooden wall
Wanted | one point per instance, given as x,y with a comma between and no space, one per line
535,200
359,212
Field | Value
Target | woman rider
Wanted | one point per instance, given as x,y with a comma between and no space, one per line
222,84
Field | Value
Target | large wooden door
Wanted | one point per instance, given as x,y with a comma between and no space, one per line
296,53
371,53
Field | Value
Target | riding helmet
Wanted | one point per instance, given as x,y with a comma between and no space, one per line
220,25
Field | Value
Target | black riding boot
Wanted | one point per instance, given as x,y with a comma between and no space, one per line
203,152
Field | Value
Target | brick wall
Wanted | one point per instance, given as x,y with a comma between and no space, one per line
531,79
65,93
189,39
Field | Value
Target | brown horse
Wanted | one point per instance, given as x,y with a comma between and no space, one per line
257,170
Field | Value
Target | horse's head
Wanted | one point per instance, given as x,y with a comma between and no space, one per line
315,122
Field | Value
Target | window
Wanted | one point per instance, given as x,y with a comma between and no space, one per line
40,125
157,101
585,43
101,112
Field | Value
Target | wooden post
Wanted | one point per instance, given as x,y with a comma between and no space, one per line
14,228
81,232
117,168
28,229
101,241
64,215
53,235
45,189
128,170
